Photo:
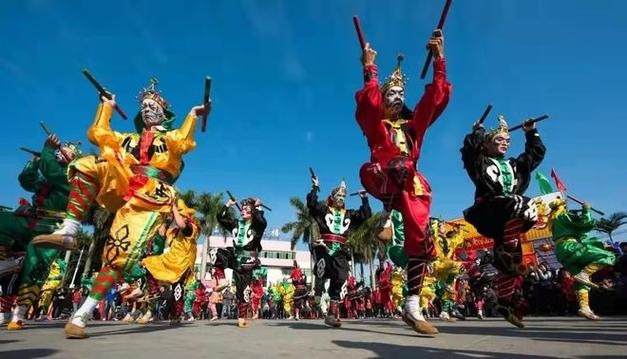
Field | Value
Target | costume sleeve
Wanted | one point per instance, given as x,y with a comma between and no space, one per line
472,147
259,220
583,223
51,169
100,132
226,220
315,208
534,151
369,101
434,100
260,224
363,213
181,140
29,178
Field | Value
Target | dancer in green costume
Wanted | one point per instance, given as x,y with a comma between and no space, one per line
45,176
579,253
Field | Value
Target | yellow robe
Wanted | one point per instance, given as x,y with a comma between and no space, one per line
178,260
129,188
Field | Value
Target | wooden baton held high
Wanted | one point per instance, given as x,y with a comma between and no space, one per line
45,128
205,100
358,192
443,16
234,200
533,120
485,114
574,199
32,152
360,34
101,90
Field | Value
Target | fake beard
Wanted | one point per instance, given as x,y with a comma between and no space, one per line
338,201
152,118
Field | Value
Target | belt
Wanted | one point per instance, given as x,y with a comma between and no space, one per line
153,172
328,237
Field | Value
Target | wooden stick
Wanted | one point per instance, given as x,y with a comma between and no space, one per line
441,22
533,120
360,33
205,100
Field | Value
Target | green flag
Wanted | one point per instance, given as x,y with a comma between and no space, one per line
544,183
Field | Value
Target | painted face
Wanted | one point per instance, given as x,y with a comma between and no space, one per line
498,145
152,113
247,212
394,98
339,198
65,154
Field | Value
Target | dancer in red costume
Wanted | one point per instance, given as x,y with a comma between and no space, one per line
395,134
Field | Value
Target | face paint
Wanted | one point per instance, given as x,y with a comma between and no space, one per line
394,98
65,154
152,113
246,212
339,199
498,145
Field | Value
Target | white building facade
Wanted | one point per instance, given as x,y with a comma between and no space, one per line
276,256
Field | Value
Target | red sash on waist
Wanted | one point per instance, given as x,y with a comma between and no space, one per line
328,237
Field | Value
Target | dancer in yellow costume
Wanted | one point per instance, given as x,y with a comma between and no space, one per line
445,268
54,281
133,178
287,289
398,287
176,265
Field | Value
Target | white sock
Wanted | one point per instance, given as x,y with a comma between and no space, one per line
84,312
69,227
412,306
19,312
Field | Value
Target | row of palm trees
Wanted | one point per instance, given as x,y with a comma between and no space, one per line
362,243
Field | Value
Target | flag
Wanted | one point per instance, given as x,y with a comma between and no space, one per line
544,183
558,182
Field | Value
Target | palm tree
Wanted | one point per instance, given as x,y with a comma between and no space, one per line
207,206
611,224
364,243
305,226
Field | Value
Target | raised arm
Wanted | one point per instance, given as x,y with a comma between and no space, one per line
363,213
534,148
315,208
29,178
181,140
472,146
437,93
369,101
226,219
51,169
100,132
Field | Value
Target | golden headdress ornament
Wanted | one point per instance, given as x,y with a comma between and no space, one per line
502,129
396,78
151,92
341,189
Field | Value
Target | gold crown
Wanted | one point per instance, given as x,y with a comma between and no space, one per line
341,189
152,93
396,78
502,129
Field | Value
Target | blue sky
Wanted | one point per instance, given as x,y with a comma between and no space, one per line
284,76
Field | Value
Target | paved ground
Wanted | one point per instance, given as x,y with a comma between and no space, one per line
564,337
